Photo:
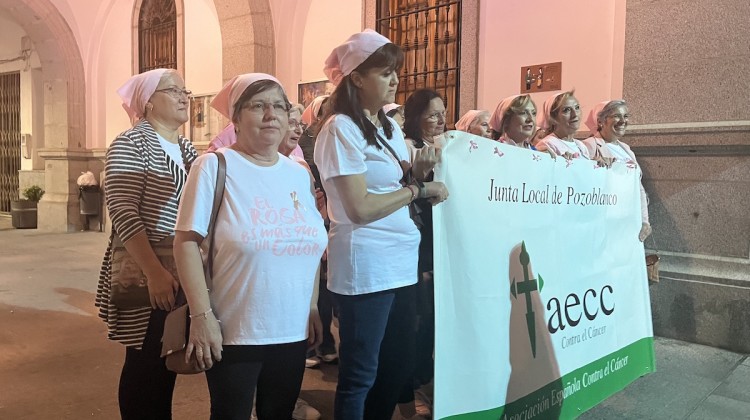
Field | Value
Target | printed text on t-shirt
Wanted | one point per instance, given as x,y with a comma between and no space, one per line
282,231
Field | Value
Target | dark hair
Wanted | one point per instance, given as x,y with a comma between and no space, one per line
345,98
414,107
254,89
393,112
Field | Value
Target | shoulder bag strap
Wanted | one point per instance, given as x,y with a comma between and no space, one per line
221,177
407,178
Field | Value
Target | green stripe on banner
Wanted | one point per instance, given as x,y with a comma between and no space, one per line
580,390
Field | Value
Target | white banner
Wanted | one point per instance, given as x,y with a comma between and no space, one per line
541,296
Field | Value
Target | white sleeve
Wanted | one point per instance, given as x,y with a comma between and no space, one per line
197,200
339,149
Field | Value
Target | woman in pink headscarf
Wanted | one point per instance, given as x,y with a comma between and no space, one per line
561,118
514,121
608,122
372,260
476,122
269,240
146,167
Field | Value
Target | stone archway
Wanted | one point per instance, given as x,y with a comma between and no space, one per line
64,99
247,37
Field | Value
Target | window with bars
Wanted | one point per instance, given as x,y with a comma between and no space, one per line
429,31
157,35
10,137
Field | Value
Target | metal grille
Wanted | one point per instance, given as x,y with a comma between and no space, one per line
429,31
10,138
157,35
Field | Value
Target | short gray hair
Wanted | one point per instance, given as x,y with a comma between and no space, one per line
297,107
609,109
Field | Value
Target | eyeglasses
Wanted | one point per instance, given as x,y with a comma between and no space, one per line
176,92
259,107
294,124
436,116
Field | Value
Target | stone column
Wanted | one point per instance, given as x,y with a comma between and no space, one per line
685,80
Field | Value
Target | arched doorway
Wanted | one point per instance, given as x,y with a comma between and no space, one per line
63,86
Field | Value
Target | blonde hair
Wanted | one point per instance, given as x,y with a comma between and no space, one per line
517,107
555,108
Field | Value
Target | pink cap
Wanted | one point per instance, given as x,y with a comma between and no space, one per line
591,122
465,122
349,55
311,112
137,91
496,120
228,95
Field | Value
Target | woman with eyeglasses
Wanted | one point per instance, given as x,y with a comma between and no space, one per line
608,122
424,125
561,118
252,329
372,258
146,167
424,120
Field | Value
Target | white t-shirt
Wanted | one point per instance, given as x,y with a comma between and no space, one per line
618,152
172,150
381,255
269,240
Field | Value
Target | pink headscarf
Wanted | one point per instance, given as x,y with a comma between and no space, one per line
228,95
349,55
465,122
591,121
544,117
496,120
312,110
136,92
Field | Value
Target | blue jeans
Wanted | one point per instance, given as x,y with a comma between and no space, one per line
376,353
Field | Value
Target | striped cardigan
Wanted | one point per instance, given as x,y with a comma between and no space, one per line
143,187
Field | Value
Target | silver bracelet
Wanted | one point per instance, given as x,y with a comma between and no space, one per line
203,315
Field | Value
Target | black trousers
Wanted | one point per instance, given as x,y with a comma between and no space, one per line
146,385
274,370
325,308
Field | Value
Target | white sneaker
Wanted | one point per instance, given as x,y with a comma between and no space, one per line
329,357
303,411
312,362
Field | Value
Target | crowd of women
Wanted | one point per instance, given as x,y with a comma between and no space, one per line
357,196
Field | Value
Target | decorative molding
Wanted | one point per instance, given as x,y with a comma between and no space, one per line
693,150
69,154
691,127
